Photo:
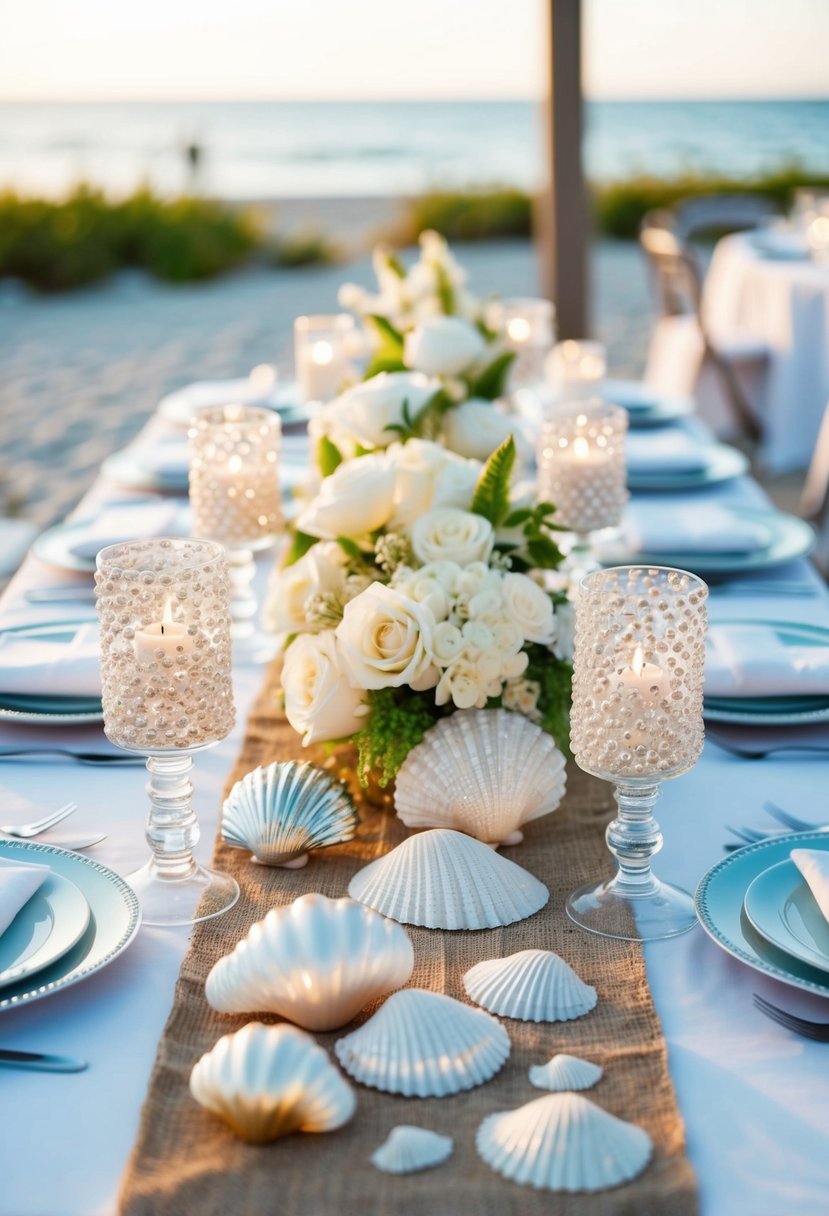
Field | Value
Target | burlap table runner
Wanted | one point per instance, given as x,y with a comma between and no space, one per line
186,1163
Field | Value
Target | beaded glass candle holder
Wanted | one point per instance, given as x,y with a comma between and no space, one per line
323,352
575,371
582,469
636,720
163,607
528,328
235,499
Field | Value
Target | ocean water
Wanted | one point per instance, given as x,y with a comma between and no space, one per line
307,149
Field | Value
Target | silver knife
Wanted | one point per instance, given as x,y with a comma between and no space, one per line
40,1062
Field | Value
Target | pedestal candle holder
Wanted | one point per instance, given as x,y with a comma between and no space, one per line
636,720
527,327
575,371
235,499
323,353
582,469
163,607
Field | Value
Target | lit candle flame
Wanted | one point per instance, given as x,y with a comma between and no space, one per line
581,448
638,661
167,615
322,353
519,329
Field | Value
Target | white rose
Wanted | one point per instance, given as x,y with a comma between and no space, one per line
530,607
429,476
443,346
426,590
319,572
462,685
457,536
447,643
320,704
476,428
366,410
386,639
357,498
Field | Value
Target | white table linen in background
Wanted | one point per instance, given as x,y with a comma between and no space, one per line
754,661
753,1098
783,303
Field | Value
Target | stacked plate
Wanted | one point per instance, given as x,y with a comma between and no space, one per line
46,708
758,907
791,710
79,920
280,396
646,406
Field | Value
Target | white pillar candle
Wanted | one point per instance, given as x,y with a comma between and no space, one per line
166,636
581,466
648,680
322,355
575,370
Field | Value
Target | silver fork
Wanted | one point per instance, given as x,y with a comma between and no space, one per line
24,830
817,1031
792,822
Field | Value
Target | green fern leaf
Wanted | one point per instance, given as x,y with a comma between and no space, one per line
491,497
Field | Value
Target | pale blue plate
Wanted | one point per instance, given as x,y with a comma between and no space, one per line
724,464
784,911
645,406
719,905
775,711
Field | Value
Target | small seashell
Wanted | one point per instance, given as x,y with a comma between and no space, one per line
317,962
563,1142
267,1081
408,1149
425,1045
445,880
563,1073
281,811
532,985
481,771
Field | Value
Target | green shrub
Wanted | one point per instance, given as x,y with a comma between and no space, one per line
466,215
303,249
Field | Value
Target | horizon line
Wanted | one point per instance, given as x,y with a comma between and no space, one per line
412,99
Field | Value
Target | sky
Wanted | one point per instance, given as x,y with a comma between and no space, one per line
261,49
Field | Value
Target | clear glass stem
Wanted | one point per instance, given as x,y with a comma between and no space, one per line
243,604
633,838
172,827
581,558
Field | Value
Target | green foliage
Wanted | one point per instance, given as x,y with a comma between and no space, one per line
352,551
300,544
388,357
491,497
397,721
304,248
492,381
539,550
328,456
425,424
555,680
467,215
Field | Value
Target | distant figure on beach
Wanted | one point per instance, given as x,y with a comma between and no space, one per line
193,158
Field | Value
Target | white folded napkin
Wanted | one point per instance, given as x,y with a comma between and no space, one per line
665,451
814,866
126,522
50,666
754,661
703,529
18,883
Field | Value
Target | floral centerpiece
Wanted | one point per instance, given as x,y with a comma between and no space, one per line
435,366
412,590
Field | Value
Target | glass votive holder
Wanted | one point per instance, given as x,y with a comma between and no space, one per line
636,720
164,612
235,499
575,371
323,352
527,327
582,470
817,233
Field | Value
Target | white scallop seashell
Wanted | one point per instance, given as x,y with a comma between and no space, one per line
481,771
563,1073
281,811
408,1149
532,985
445,880
267,1081
317,962
425,1045
563,1142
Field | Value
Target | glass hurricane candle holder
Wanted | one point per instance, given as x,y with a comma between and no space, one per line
582,469
575,371
163,607
323,351
235,499
527,326
636,720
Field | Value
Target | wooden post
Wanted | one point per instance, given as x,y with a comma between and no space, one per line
562,216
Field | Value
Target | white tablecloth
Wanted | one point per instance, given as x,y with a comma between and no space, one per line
754,1097
785,305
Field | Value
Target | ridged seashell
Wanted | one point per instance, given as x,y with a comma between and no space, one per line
267,1081
446,880
532,985
481,771
563,1142
317,962
563,1073
425,1045
281,811
408,1149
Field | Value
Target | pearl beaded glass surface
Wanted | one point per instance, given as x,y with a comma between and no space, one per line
324,348
581,465
163,607
638,673
234,475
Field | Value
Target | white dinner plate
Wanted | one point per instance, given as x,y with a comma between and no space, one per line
45,928
723,464
41,709
180,406
784,911
113,922
133,469
56,546
771,710
719,903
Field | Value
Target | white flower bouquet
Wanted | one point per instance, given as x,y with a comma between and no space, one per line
410,591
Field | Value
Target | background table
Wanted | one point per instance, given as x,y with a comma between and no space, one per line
754,1097
785,305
